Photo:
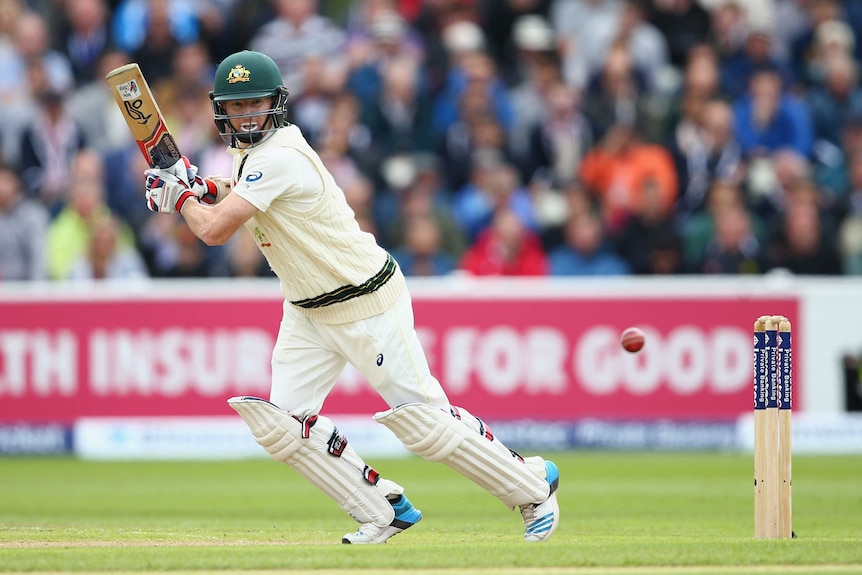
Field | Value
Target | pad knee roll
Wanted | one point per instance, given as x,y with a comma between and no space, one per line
320,453
464,443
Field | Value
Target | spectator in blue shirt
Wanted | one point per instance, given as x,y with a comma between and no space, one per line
769,119
585,251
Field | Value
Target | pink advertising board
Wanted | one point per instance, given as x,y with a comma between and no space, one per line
542,358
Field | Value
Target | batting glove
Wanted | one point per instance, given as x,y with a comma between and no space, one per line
169,188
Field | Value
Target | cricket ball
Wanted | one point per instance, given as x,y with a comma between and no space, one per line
632,339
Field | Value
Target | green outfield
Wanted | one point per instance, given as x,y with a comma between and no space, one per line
622,513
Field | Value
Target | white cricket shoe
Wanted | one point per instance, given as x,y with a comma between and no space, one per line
542,519
405,516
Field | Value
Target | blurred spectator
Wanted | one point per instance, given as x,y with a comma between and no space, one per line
137,23
585,29
446,27
850,203
649,230
380,37
838,99
49,142
93,109
312,108
345,145
105,258
802,245
157,51
646,45
541,73
400,116
494,185
473,84
850,230
700,83
192,70
215,24
171,250
422,252
803,45
23,229
791,21
534,43
699,229
298,32
359,193
704,150
69,233
10,84
621,167
832,38
229,29
416,192
832,165
557,145
853,16
574,199
618,95
477,132
733,248
665,254
213,161
85,35
729,29
751,12
585,251
32,44
506,248
769,119
684,24
514,30
738,69
125,185
771,179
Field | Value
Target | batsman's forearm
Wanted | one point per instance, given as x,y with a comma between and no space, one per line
203,221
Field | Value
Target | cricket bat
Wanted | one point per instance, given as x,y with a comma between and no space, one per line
142,114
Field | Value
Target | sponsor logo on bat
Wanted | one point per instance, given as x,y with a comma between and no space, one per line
133,111
129,90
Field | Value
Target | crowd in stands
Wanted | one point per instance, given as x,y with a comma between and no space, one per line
490,137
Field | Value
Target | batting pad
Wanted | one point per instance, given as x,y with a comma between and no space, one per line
464,443
323,457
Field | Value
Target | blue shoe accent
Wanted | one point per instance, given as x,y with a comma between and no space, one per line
405,514
542,519
553,475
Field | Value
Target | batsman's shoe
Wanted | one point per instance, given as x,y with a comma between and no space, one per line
541,519
405,516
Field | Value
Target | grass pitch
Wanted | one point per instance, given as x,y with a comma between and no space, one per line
622,513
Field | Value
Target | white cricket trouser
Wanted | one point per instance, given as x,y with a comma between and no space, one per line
309,356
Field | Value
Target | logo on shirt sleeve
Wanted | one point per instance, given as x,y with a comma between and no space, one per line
261,238
254,176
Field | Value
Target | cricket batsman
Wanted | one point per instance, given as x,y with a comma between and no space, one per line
345,300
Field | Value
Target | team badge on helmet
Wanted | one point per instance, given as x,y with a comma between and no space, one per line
238,73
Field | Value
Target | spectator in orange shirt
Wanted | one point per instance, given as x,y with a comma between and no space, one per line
506,248
621,167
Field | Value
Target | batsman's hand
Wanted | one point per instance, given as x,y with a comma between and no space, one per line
169,188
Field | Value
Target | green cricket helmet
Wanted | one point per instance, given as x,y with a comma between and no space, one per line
248,75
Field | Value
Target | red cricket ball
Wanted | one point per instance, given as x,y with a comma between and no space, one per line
632,339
